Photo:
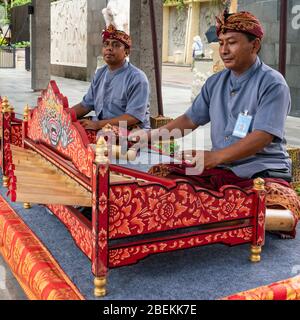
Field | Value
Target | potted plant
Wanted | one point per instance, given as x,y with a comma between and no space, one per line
22,54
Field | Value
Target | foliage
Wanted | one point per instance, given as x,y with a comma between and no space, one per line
8,5
3,42
179,3
298,191
17,3
22,44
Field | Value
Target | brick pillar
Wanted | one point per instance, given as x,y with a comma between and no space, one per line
40,44
142,53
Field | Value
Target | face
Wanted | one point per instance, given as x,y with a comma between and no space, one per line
237,52
114,53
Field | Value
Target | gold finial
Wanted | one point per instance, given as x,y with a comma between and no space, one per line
5,105
26,113
100,287
255,253
101,151
10,108
259,184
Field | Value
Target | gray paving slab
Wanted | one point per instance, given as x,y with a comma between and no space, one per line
9,287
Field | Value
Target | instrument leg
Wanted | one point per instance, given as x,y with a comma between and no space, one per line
5,181
100,286
255,253
26,205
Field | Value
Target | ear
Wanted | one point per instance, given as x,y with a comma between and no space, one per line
256,45
127,52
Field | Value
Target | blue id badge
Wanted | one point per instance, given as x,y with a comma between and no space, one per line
242,125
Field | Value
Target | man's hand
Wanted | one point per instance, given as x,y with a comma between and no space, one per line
201,159
90,124
140,138
212,159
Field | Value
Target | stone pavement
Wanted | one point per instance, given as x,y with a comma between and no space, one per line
177,81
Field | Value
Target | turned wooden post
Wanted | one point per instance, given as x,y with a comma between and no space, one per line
259,235
5,139
100,202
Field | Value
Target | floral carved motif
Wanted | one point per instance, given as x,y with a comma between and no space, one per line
16,135
81,234
137,210
125,256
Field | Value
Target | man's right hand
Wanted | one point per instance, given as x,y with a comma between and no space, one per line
140,138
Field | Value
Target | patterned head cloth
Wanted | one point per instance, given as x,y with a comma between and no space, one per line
242,21
112,33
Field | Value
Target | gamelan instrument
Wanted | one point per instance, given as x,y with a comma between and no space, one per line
49,158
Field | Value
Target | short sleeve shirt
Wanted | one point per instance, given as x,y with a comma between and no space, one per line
264,93
123,91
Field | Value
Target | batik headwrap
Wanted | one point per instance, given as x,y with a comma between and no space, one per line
242,21
112,33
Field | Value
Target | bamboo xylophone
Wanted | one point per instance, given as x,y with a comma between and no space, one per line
33,179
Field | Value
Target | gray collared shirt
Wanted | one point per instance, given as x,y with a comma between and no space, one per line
264,93
123,91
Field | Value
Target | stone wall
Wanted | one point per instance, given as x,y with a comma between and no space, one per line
177,30
75,37
69,33
20,24
268,11
208,12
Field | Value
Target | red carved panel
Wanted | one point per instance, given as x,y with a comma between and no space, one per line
54,124
16,134
261,219
126,256
92,136
138,210
100,232
81,234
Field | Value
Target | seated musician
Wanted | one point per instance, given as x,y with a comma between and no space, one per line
247,105
119,91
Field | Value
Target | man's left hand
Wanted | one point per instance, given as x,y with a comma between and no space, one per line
211,159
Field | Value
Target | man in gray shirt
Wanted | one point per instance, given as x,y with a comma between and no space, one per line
247,105
119,91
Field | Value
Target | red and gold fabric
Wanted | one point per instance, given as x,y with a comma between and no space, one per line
36,270
288,289
242,21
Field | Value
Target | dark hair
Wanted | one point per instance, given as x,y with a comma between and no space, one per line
252,37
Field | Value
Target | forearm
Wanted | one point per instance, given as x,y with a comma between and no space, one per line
80,110
246,147
130,121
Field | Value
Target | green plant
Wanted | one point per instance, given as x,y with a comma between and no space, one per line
22,44
16,3
298,191
3,42
179,3
8,5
